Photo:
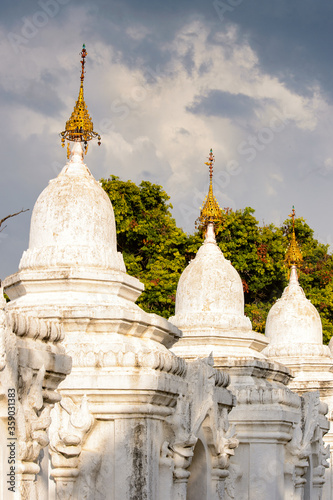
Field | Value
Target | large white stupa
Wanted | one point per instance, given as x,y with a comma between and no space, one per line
73,223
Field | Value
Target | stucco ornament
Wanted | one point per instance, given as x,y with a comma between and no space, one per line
31,374
199,410
306,447
70,426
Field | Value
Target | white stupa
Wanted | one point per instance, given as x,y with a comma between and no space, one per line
294,329
73,223
210,300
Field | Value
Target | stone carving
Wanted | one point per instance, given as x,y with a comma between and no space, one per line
127,355
33,417
70,426
223,447
34,328
32,371
307,441
199,409
262,395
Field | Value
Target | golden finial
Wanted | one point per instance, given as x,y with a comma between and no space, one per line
80,128
210,211
293,255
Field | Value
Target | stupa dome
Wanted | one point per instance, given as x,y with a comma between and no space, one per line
293,319
210,290
73,222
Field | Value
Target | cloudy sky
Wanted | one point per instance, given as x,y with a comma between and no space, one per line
165,82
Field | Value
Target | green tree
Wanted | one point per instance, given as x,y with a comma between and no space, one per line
152,245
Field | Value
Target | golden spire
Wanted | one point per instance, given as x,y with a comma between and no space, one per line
293,255
80,128
210,212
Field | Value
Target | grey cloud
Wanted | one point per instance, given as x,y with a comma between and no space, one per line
36,96
224,104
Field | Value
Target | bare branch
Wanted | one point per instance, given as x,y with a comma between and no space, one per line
11,215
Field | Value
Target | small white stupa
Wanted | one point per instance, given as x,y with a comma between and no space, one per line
294,329
210,299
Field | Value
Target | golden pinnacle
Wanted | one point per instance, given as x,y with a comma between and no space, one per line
79,127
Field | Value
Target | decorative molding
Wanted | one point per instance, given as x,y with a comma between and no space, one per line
235,473
307,440
34,328
56,257
266,396
88,355
297,350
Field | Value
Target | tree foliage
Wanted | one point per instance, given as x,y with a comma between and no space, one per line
156,251
152,245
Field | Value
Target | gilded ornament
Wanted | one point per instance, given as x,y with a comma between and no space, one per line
210,211
79,127
293,255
